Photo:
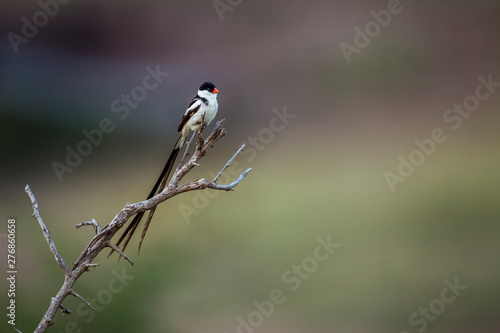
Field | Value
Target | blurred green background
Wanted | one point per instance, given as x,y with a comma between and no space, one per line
321,174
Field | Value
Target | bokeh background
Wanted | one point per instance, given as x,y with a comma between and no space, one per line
321,175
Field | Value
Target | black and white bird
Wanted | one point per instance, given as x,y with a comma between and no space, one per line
201,110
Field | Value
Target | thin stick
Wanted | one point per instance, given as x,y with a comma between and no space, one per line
64,309
117,249
72,292
92,223
227,164
46,232
186,152
229,187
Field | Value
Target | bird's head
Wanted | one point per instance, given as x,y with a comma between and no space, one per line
209,87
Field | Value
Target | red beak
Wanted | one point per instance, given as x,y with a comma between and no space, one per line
216,90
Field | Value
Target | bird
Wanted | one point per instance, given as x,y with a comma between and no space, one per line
202,110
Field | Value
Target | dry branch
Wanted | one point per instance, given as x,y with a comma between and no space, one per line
46,232
102,238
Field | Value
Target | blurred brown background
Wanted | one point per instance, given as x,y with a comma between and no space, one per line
320,173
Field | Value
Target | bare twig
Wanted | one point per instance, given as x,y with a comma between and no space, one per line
102,238
92,223
64,309
186,152
82,299
229,187
46,232
117,249
227,164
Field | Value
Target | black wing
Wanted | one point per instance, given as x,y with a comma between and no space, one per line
188,116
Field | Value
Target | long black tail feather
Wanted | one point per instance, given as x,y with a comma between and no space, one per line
158,187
